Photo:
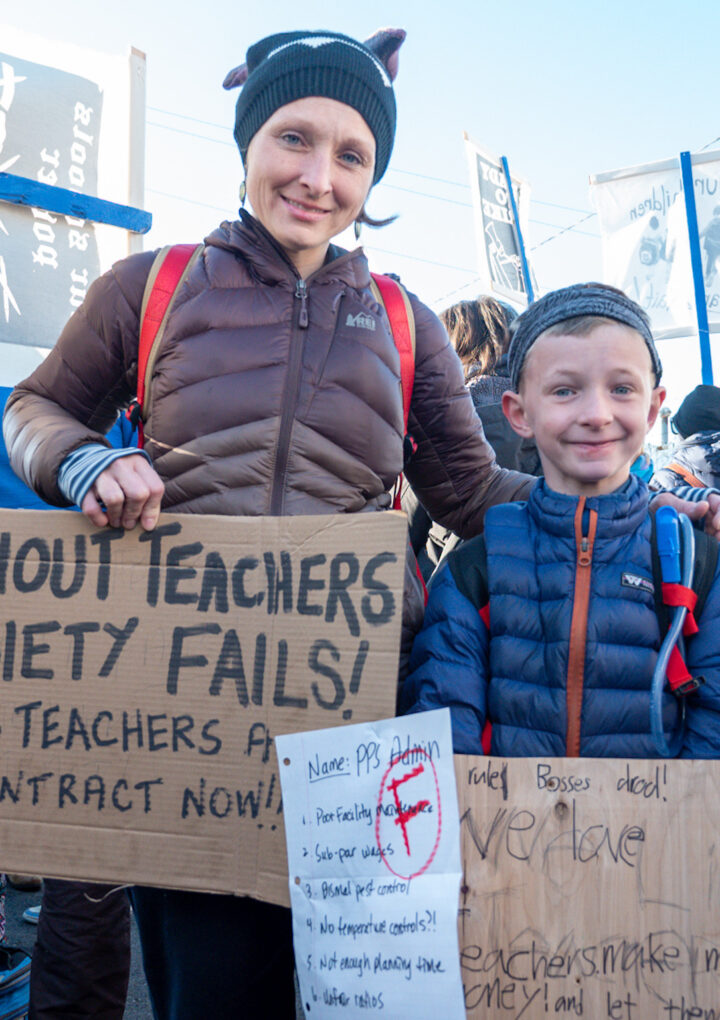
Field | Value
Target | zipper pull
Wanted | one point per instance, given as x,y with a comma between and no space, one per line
584,557
301,293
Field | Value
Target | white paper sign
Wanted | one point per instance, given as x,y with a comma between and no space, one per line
644,230
372,828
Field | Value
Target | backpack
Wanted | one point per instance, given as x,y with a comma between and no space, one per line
473,582
168,273
14,983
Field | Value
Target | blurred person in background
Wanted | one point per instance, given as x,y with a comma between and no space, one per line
479,332
696,459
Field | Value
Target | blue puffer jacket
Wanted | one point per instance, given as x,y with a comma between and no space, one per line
566,665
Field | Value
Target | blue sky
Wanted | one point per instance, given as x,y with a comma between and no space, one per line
563,89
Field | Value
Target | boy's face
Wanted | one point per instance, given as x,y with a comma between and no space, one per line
589,402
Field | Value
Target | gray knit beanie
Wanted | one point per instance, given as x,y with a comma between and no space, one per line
569,303
294,65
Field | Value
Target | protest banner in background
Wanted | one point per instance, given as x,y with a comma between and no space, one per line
145,675
646,250
499,247
73,119
591,888
374,863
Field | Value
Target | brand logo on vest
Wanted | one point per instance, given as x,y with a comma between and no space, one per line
635,581
360,321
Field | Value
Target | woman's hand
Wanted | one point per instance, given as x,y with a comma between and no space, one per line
709,509
128,491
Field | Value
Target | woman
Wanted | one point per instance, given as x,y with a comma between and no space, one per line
267,399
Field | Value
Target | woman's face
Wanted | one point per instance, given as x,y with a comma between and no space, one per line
309,169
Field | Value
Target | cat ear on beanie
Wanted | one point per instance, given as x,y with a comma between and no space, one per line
289,66
235,78
385,44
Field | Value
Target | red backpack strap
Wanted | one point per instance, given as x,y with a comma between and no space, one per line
393,298
402,325
167,274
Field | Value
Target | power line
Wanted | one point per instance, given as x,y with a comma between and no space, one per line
709,144
425,194
417,258
396,170
184,116
393,187
565,230
368,247
443,297
190,134
468,205
190,201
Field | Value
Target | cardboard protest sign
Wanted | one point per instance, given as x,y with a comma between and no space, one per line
590,888
373,851
144,676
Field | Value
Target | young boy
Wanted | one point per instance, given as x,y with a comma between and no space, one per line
555,639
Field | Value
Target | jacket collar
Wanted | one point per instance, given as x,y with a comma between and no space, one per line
248,239
620,512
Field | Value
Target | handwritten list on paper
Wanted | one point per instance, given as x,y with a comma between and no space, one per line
372,829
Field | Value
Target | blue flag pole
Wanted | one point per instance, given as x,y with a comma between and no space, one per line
518,232
697,270
25,191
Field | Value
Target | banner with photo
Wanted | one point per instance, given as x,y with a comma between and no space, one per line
65,121
499,246
646,250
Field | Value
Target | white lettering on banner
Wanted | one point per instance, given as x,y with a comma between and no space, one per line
7,93
7,294
78,239
492,174
496,212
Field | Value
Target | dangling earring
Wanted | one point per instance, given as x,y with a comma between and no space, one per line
242,193
357,228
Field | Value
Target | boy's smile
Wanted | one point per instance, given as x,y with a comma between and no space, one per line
589,402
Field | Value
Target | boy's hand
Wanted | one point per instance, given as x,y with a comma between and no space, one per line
708,508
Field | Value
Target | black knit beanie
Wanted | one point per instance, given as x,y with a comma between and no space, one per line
293,65
699,412
569,303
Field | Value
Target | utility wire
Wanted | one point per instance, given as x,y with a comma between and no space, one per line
709,144
416,258
190,134
368,247
396,170
442,300
394,187
190,201
565,230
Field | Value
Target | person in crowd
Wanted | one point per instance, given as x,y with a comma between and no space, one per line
696,460
546,626
643,466
479,332
276,390
81,958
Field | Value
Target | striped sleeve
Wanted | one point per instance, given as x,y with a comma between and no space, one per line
81,467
